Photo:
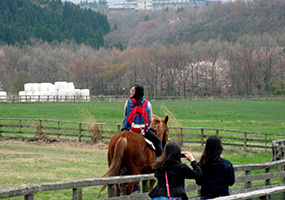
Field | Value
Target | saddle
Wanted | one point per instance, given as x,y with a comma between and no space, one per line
148,142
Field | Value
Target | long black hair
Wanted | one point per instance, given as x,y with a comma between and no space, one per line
139,94
212,152
171,155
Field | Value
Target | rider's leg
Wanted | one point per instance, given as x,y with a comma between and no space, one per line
156,142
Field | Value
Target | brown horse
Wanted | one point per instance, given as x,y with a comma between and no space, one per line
129,152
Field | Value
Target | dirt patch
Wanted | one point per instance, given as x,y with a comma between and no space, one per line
64,143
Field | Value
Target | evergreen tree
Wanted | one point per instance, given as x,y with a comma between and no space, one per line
50,20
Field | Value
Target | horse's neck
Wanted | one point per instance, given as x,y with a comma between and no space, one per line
159,135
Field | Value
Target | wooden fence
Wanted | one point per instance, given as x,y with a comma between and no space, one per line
278,149
52,129
246,181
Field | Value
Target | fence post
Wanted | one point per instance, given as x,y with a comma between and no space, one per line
217,132
58,129
244,141
202,136
79,133
0,128
283,168
40,129
101,129
248,183
265,142
111,190
181,136
76,194
267,181
199,191
263,197
29,197
119,129
20,126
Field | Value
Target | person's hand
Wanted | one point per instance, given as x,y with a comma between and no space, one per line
189,156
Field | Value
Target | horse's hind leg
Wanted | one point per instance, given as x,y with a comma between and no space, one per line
123,189
137,188
152,182
130,187
118,190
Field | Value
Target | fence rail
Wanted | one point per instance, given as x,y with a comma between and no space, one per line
52,129
247,183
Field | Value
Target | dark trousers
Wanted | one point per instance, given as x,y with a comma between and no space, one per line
156,142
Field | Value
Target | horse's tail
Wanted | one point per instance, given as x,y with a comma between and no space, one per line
119,152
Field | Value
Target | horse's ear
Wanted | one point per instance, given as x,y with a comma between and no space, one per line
166,119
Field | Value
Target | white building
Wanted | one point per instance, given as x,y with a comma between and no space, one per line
159,4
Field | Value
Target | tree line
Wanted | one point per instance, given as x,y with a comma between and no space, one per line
252,63
50,20
251,66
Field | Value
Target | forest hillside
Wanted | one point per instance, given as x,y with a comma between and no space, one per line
225,21
218,50
50,21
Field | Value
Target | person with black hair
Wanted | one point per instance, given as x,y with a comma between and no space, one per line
137,92
169,169
218,173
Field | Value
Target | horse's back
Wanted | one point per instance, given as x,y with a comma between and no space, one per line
136,150
134,140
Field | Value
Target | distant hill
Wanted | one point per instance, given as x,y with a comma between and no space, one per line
50,21
224,21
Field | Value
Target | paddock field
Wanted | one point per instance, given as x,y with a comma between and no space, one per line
266,115
23,162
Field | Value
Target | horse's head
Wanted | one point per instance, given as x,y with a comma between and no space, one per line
160,128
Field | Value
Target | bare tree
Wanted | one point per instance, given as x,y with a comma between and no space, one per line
211,52
267,58
13,66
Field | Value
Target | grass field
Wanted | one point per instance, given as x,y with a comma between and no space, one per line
244,115
38,162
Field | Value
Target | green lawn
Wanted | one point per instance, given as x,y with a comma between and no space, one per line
244,115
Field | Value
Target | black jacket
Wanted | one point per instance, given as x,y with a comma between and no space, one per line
216,181
177,173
